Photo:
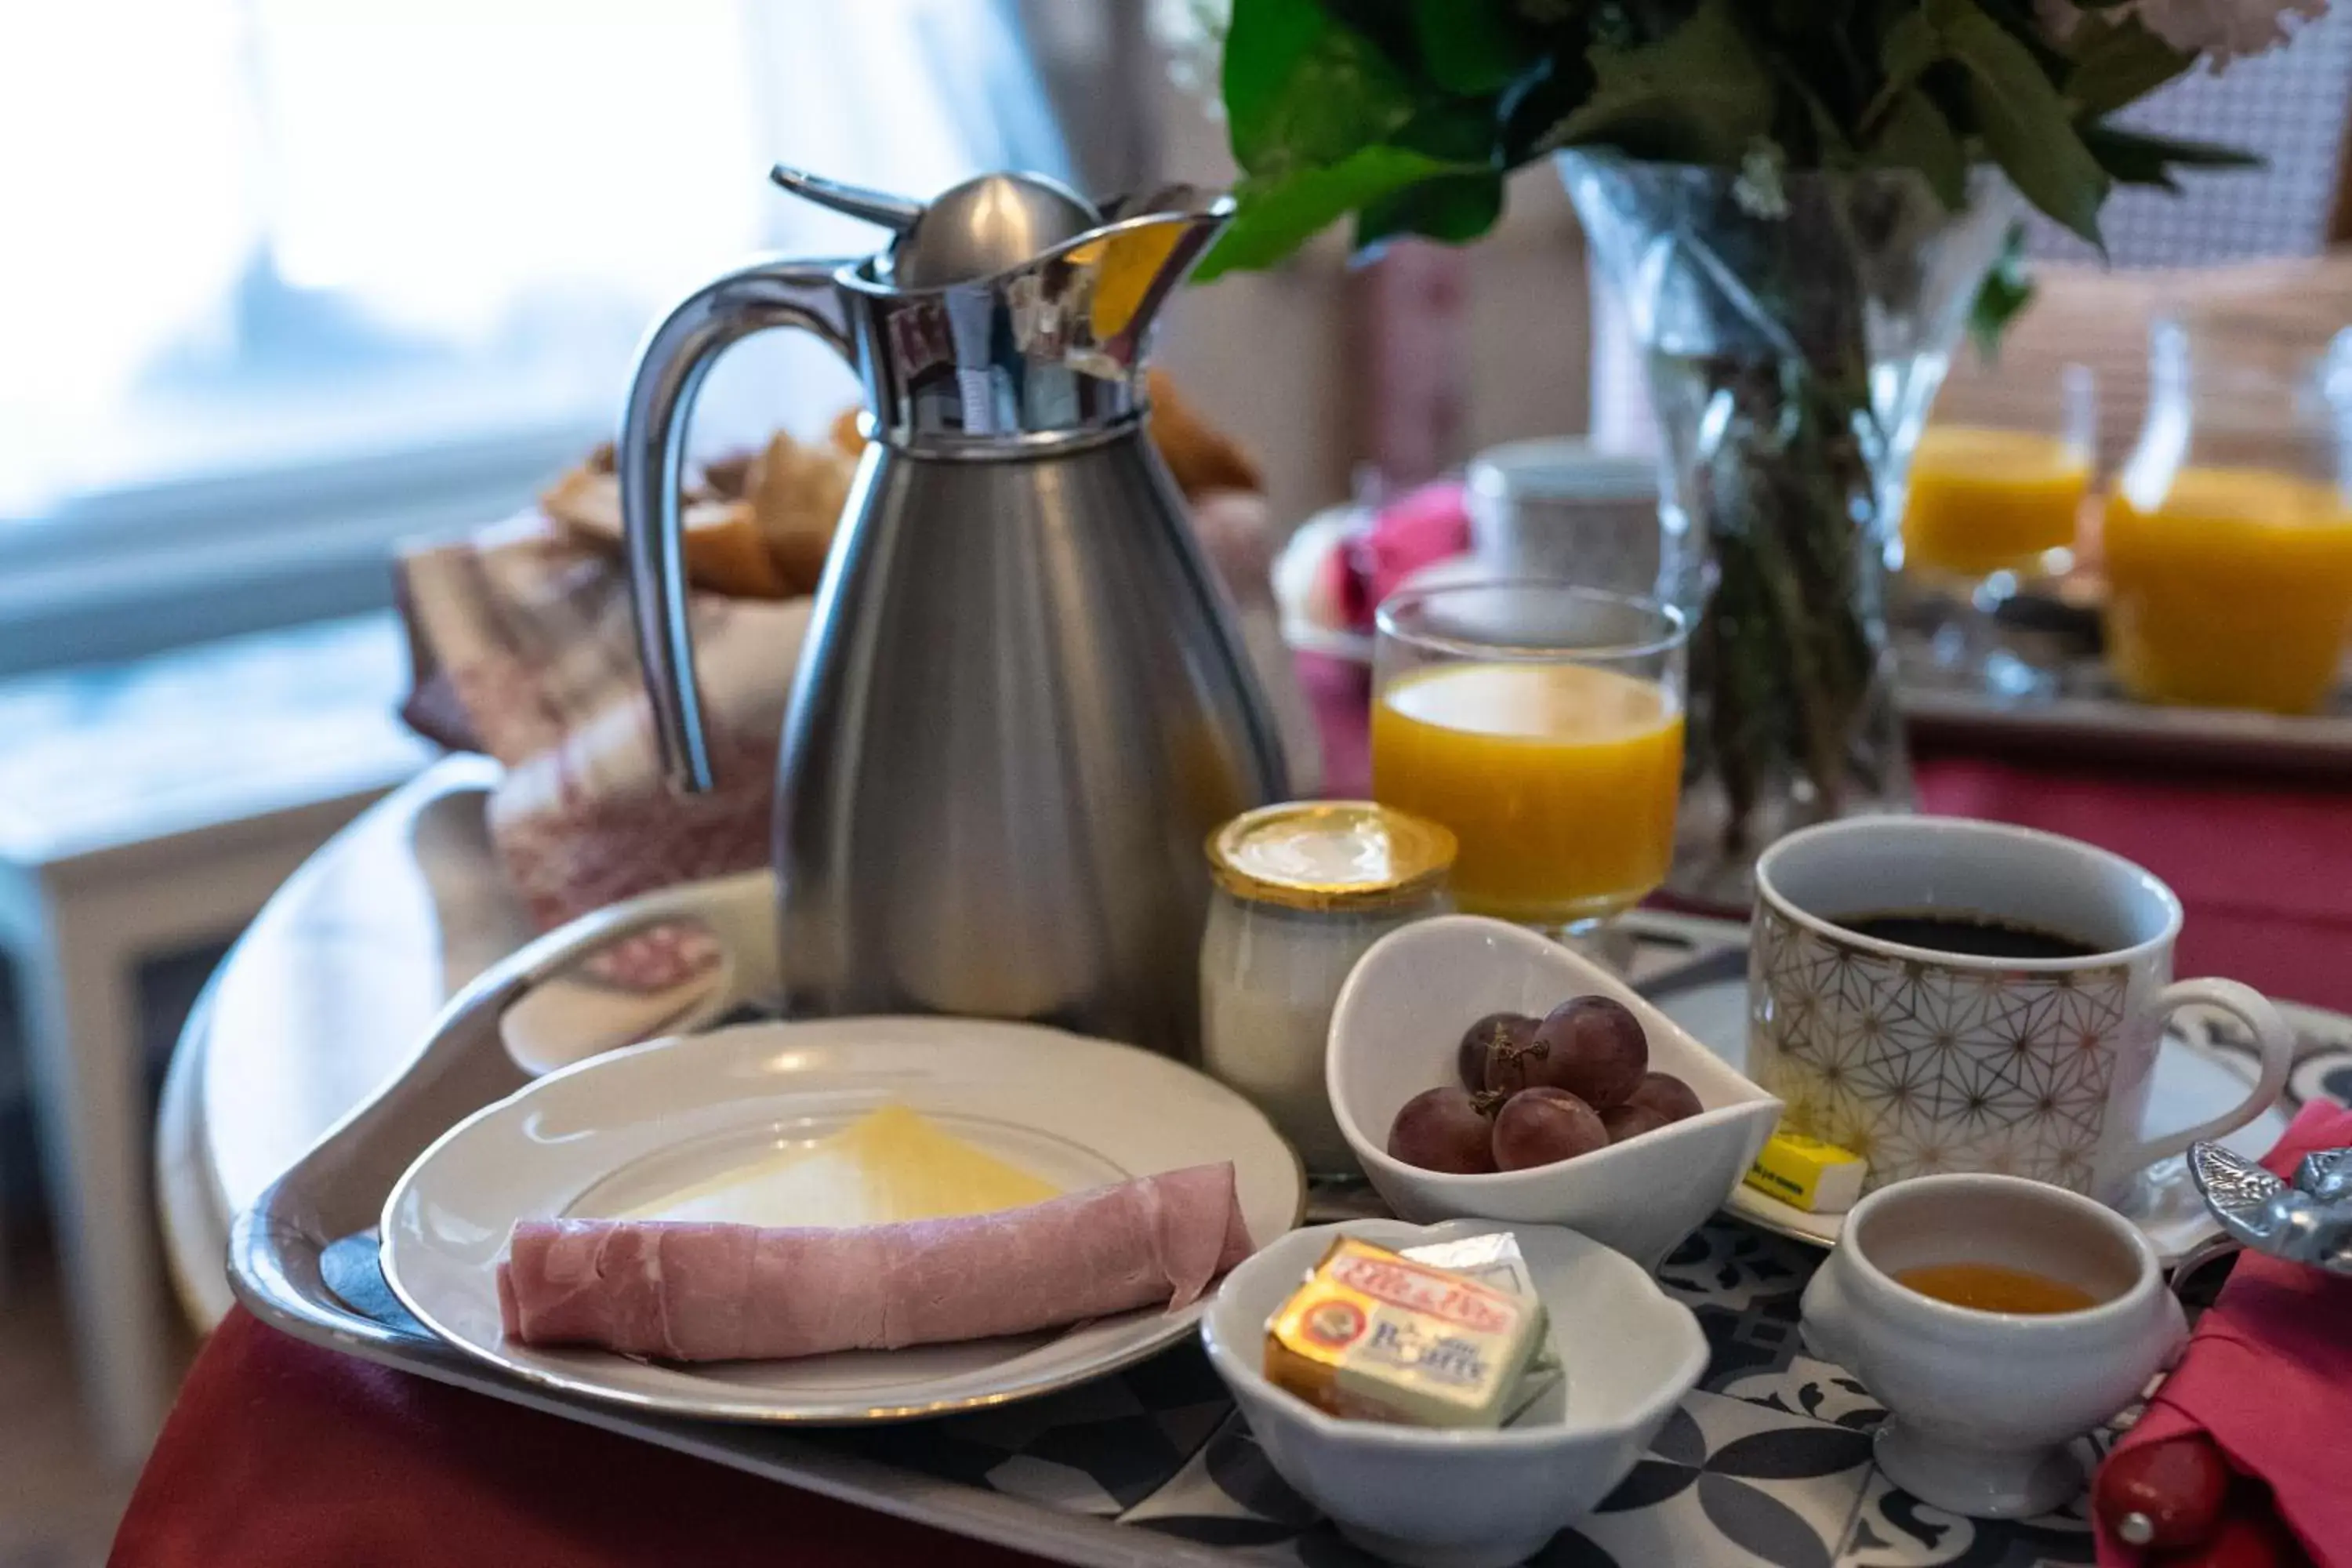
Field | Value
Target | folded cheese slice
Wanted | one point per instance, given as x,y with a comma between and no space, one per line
687,1291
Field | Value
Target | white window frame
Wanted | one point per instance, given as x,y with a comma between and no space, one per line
120,573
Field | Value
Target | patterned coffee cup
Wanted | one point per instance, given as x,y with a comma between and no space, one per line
1926,1061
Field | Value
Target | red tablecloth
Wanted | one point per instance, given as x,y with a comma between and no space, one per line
280,1454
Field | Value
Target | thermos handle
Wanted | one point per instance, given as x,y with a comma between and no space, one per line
652,462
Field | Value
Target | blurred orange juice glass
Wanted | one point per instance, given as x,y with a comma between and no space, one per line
1983,500
2227,542
1543,724
2233,590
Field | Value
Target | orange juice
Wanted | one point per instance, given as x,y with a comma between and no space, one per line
2236,592
1984,500
1558,780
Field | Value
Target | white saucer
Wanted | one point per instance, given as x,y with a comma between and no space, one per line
619,1134
2193,1075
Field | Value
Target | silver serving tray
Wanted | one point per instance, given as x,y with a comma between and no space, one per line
2113,728
303,1258
2082,710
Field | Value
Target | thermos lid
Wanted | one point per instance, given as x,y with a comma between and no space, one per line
1330,855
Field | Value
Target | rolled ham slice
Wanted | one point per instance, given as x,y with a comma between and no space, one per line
687,1291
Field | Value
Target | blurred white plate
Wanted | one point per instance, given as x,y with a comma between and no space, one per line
612,1135
1298,576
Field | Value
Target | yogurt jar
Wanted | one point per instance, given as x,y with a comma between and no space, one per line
1302,889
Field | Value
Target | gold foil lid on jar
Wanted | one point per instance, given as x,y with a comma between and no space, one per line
1330,854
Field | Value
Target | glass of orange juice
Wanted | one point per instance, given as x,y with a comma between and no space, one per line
2227,540
1543,723
1990,505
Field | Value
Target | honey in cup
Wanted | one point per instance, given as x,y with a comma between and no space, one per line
1995,1287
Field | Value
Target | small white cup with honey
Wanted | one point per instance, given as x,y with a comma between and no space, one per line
1997,1319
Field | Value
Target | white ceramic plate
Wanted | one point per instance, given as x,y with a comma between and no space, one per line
614,1134
2193,1078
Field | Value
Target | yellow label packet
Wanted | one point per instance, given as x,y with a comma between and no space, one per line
1380,1337
1806,1173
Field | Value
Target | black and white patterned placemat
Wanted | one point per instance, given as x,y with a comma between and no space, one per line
1768,1461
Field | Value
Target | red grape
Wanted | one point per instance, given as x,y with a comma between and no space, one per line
1667,1095
1443,1130
1593,1047
1543,1126
1630,1119
1496,1032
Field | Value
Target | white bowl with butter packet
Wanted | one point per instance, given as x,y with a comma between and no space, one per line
1456,1499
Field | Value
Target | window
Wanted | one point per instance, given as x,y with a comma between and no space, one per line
278,262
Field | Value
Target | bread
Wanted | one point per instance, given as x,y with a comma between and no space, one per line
1201,458
757,526
724,551
796,491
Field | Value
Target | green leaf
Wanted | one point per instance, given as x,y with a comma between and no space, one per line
2021,19
2137,158
1810,132
1301,90
1916,136
1266,44
1276,215
1458,129
1456,208
2023,119
2006,290
2116,63
1471,46
1698,95
1909,48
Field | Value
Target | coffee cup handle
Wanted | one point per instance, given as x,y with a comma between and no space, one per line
2273,1039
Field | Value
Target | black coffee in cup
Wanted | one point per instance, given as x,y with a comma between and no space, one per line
1958,996
1977,936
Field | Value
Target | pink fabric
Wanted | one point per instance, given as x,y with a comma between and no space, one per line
730,1292
2268,1375
1421,526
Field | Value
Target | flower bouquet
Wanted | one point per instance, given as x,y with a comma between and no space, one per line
1802,202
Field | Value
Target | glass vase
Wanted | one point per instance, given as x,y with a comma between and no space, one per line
1794,331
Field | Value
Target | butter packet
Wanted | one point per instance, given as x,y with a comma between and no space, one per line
1494,1259
1377,1336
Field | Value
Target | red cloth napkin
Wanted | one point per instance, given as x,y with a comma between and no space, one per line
2268,1375
280,1455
